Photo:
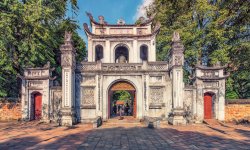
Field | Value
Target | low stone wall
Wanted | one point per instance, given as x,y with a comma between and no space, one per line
10,109
237,110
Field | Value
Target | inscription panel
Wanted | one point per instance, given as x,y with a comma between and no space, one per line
67,89
36,73
211,84
210,73
35,83
116,31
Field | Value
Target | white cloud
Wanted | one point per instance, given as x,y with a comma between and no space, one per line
141,11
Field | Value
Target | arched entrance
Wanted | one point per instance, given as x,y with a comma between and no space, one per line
122,87
36,106
208,105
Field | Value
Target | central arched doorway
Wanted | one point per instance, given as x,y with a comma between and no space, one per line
127,94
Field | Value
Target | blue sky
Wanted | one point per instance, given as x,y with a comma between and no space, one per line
112,10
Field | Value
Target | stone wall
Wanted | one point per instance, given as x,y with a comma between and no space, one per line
10,111
237,110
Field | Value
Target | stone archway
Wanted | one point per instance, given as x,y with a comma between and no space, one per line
122,86
209,105
36,106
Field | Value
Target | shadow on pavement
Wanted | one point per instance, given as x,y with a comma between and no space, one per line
124,138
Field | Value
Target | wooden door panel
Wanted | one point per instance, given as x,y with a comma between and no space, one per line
207,106
38,106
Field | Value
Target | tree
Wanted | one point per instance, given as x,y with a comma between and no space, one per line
122,95
211,31
31,33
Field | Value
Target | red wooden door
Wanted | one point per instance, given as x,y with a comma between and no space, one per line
134,104
207,106
38,106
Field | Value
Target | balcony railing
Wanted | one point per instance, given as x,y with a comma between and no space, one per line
122,67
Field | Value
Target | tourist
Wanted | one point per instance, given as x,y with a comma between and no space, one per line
120,111
114,109
126,109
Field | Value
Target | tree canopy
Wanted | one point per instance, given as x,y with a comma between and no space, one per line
31,34
212,31
122,95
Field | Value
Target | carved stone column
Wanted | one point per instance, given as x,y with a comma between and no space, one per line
176,61
68,81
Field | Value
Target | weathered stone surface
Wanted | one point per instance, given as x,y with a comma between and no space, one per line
152,122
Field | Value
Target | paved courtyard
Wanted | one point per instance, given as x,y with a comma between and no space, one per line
34,135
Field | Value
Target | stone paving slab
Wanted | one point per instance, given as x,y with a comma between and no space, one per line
34,135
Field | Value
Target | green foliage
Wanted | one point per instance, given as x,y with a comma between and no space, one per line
31,34
211,31
122,95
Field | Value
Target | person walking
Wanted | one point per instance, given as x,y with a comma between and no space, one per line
120,111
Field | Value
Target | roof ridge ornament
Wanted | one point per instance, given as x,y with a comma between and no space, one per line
176,37
68,36
121,22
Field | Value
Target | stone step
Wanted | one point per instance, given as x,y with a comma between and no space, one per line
211,122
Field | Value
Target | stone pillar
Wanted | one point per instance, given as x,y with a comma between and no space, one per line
176,61
133,54
107,52
68,81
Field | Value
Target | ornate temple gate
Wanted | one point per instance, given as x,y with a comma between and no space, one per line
122,86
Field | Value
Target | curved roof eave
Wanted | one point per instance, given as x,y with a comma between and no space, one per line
92,20
89,33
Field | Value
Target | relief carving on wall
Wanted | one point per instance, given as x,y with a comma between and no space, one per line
89,80
155,79
66,61
177,60
88,96
156,94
